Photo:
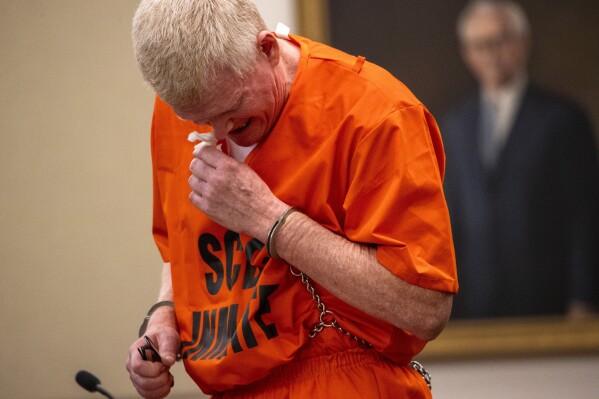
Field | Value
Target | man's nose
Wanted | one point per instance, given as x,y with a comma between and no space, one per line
221,127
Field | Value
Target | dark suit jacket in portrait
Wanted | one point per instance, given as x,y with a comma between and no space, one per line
526,231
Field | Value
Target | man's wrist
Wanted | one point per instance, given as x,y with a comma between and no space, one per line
271,236
154,308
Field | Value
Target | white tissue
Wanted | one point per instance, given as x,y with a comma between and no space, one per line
207,139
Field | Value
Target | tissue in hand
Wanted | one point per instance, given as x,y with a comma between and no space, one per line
208,139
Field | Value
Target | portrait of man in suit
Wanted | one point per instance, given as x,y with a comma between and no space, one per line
522,179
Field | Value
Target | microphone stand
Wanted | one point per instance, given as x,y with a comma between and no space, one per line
104,392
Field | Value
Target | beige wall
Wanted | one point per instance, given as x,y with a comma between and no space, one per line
575,377
78,264
79,267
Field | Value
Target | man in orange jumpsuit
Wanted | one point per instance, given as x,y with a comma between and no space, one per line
313,257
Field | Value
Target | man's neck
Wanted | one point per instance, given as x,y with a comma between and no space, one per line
290,55
518,83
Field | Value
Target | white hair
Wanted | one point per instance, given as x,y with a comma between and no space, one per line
514,12
181,45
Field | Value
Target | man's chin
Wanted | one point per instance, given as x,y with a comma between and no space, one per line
247,139
496,81
243,141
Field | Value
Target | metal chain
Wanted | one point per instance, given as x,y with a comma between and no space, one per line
323,323
324,312
422,371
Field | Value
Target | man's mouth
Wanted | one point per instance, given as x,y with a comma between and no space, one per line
241,127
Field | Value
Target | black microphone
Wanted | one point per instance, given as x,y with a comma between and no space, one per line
91,383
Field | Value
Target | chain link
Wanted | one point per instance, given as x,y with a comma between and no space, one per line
324,312
422,371
332,322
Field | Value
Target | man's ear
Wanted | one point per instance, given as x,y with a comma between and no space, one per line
269,46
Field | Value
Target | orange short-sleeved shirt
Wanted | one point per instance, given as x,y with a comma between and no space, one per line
359,154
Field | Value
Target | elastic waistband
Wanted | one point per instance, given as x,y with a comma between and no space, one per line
308,368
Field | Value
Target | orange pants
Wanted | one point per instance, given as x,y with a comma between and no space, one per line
354,373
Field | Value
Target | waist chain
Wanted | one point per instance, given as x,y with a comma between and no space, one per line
327,320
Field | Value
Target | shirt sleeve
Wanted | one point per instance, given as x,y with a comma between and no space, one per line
159,226
395,199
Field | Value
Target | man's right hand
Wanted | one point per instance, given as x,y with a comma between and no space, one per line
153,380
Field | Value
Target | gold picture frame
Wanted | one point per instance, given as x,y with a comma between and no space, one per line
489,337
313,19
533,336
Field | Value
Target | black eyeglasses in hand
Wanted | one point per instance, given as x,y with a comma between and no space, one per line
149,351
